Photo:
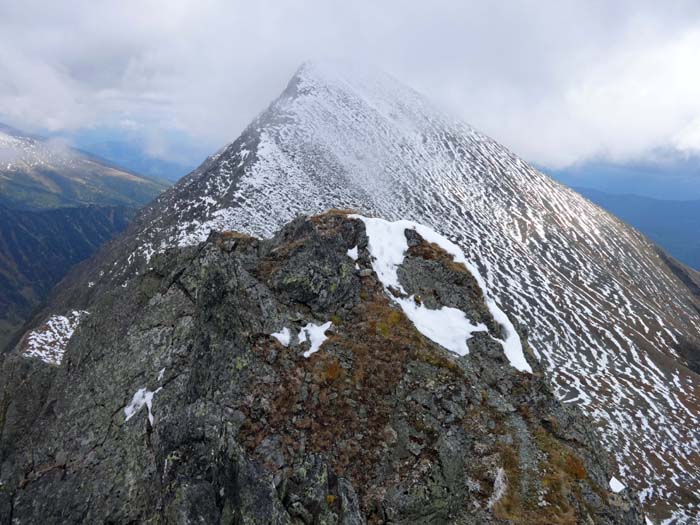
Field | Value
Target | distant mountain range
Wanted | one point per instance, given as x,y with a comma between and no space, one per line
57,206
670,177
673,225
37,173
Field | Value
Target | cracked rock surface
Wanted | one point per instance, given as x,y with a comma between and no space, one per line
229,425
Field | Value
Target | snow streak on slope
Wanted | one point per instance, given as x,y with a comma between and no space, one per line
49,341
605,313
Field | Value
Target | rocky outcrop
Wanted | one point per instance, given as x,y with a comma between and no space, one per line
279,381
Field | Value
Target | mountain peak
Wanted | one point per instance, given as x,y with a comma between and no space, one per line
355,88
338,72
607,316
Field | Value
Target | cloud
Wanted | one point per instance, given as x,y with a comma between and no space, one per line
8,154
560,82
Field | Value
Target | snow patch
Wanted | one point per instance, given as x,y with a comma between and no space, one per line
616,485
388,245
142,397
315,334
49,341
500,485
284,336
352,253
448,327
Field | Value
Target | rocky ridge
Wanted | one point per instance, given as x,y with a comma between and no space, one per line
282,381
613,320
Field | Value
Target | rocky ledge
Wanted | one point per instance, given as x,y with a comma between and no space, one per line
348,370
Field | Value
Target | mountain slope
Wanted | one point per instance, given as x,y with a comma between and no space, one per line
673,225
605,313
91,201
38,174
281,382
38,248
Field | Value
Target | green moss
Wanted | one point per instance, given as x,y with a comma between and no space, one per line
292,279
434,358
240,363
510,506
386,325
148,288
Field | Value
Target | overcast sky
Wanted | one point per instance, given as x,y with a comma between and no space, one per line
559,82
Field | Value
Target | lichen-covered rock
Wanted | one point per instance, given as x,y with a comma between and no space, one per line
175,403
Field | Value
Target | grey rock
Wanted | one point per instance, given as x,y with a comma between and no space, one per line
381,425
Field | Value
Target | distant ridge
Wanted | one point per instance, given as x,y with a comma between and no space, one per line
36,173
673,225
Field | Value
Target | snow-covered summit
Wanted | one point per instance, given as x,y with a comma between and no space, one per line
609,318
373,89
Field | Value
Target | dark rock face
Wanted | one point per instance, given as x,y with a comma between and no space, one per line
174,404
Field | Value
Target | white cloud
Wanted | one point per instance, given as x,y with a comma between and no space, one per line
640,99
559,82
